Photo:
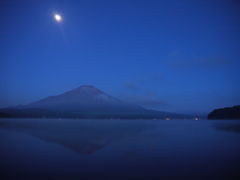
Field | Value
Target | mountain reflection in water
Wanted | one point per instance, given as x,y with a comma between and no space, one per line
82,136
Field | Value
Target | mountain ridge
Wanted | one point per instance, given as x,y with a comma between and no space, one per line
225,113
85,101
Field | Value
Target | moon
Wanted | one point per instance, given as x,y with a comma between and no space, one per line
58,17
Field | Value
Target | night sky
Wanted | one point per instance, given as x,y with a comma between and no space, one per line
172,55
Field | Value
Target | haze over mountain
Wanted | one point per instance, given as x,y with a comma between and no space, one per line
85,98
84,102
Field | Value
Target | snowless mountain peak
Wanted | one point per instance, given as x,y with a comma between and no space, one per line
85,101
86,89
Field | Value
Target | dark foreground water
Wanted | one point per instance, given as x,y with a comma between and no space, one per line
119,149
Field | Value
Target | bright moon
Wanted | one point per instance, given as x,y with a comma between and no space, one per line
58,17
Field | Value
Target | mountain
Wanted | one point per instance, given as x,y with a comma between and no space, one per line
225,113
83,99
84,102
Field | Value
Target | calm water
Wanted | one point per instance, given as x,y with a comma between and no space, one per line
119,149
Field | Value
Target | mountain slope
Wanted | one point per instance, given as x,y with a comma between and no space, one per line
225,113
83,99
84,102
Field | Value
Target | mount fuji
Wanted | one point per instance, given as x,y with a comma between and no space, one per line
84,102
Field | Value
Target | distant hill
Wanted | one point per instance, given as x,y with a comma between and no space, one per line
225,113
84,102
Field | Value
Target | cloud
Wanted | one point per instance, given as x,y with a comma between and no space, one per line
178,59
139,91
131,86
210,62
139,83
149,100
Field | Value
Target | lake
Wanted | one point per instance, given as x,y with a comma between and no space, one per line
119,149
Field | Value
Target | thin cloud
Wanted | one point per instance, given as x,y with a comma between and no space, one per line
183,60
131,86
138,83
200,62
150,100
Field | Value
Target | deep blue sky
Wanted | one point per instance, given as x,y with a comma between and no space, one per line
174,55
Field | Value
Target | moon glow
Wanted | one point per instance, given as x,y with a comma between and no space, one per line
58,17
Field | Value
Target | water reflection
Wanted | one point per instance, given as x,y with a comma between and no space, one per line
85,137
182,149
232,127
